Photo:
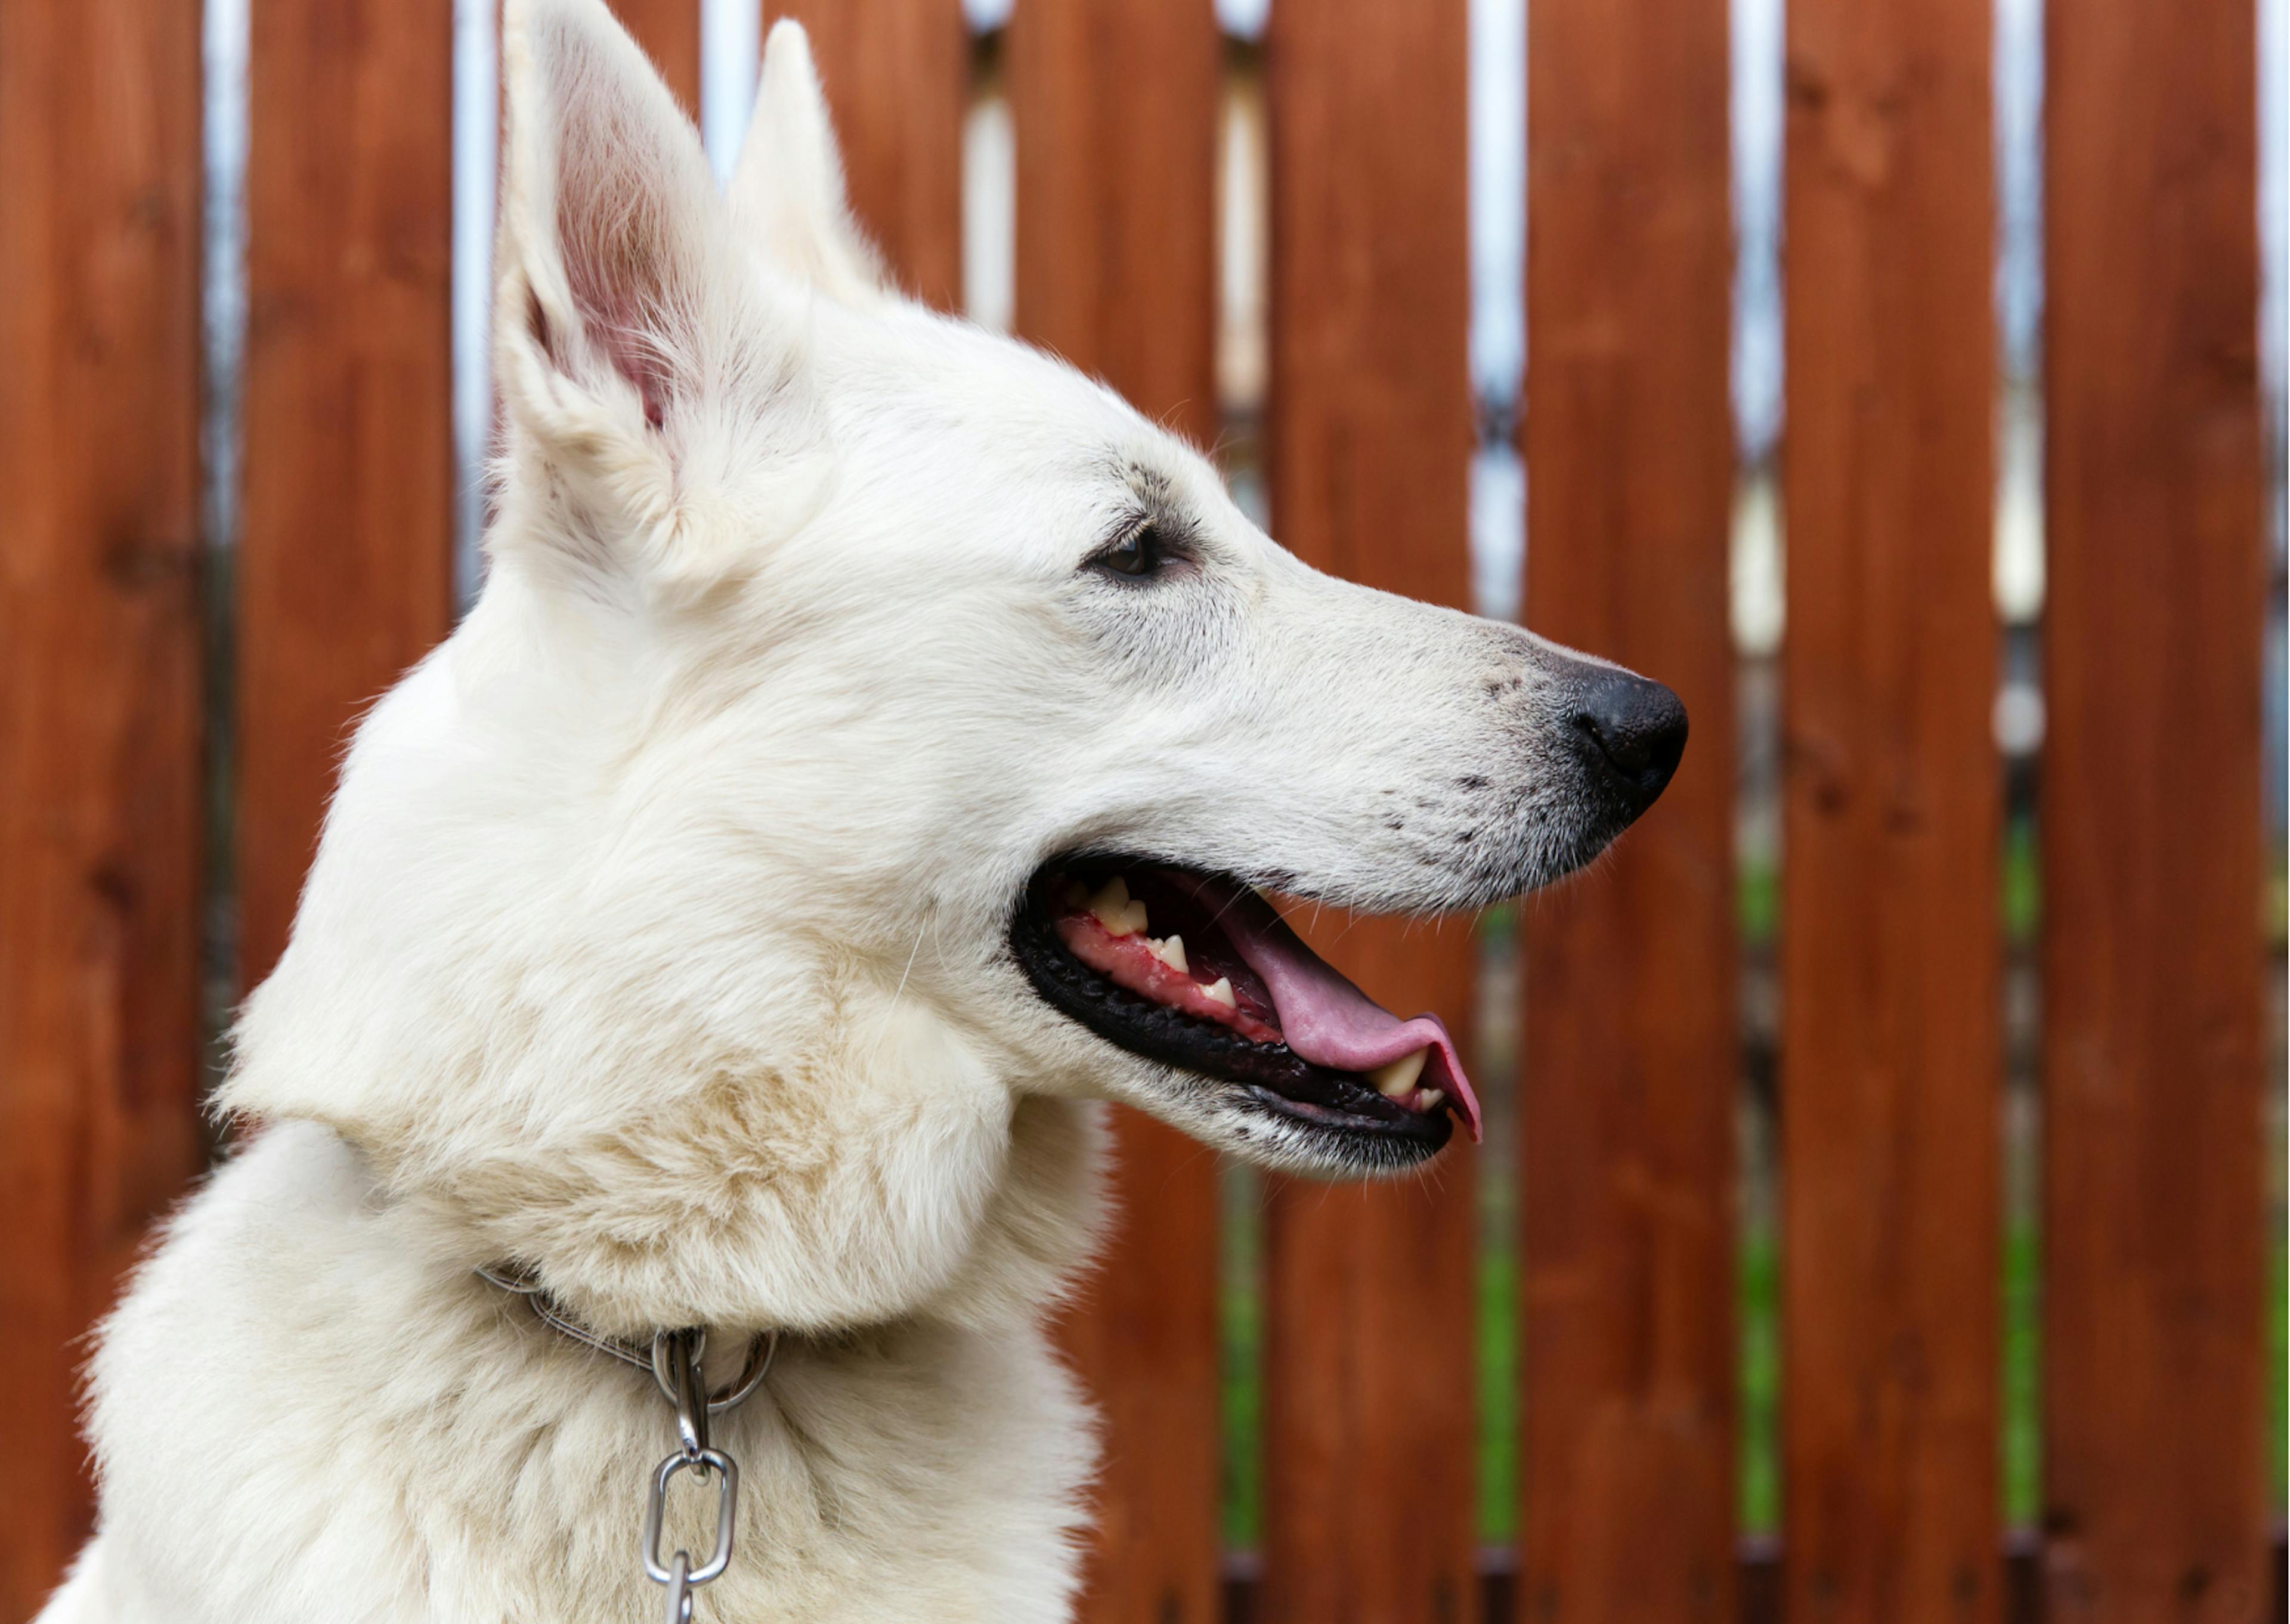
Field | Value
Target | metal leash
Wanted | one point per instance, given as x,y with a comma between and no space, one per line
676,1365
674,1360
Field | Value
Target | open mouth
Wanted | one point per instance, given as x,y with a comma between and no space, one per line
1200,972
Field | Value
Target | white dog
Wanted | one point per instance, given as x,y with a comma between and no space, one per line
858,766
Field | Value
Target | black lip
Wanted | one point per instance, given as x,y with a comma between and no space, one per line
1276,1076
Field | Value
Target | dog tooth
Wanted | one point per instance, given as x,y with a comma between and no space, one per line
1398,1079
1221,990
1430,1098
1171,951
1113,909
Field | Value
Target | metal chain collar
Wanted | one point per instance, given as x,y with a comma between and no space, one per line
674,1359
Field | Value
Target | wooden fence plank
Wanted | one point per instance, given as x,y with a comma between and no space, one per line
897,74
1115,271
345,567
669,32
1891,1044
1632,1049
2152,981
1369,1362
100,705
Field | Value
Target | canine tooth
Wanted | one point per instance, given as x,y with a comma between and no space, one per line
1397,1079
1430,1098
1113,909
1220,990
1171,951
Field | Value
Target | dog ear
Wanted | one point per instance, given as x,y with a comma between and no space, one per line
787,188
651,389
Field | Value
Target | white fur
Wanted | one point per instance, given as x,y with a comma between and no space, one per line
657,939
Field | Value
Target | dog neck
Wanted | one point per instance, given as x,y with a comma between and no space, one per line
1032,1237
471,1463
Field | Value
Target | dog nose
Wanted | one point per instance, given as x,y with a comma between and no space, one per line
1638,729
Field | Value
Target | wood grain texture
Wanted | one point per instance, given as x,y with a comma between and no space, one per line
2154,1487
897,75
1115,106
1369,1362
345,567
1631,1045
1144,1340
100,707
669,30
1891,1045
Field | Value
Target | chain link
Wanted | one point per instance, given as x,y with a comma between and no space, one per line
674,1360
679,1589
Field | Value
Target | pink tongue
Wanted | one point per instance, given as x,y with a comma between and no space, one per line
1323,1016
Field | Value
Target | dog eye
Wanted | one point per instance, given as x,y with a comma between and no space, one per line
1137,554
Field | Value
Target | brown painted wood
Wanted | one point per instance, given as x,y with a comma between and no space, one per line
897,75
100,706
1631,1046
669,32
345,567
1369,1359
2156,1501
1115,106
1891,1045
1143,1340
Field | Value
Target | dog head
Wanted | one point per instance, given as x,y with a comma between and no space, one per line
870,724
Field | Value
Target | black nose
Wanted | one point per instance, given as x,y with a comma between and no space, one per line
1638,730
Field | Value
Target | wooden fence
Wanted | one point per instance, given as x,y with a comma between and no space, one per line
2155,1501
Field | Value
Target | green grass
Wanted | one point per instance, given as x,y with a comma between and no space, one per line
1758,901
2022,1464
1241,1316
1498,1441
1757,1462
2020,891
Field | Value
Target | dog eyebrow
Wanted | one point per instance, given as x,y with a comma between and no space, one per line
1155,502
1149,483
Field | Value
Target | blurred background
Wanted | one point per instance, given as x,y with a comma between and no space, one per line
1882,1211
